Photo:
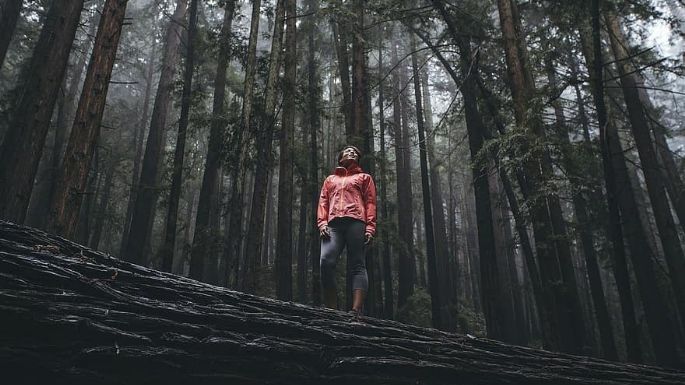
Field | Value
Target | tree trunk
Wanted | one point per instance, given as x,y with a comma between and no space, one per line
91,318
657,313
73,175
388,304
9,14
241,140
138,145
442,251
101,211
24,141
284,235
407,263
206,237
148,189
586,226
651,168
439,312
302,240
313,110
255,233
340,35
166,250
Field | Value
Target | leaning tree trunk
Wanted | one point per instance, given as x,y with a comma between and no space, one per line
657,311
78,316
651,169
24,141
72,178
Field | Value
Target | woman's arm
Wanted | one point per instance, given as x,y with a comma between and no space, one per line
322,211
370,206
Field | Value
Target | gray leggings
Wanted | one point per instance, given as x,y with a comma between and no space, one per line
344,232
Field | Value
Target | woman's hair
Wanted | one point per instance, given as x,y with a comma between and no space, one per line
340,154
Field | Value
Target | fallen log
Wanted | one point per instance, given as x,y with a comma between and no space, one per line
73,315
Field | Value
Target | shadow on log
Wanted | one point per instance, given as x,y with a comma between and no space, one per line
72,315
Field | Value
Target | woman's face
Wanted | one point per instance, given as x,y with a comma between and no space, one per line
349,154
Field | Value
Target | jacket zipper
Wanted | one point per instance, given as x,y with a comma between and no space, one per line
342,192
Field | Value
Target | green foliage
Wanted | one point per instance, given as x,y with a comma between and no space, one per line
417,310
469,321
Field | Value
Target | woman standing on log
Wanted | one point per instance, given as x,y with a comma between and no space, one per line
346,218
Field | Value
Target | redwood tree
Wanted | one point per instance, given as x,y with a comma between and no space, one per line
71,181
24,141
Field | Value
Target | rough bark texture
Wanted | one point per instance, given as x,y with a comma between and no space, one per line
24,141
75,316
72,178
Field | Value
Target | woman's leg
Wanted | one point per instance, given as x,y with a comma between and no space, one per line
331,248
354,238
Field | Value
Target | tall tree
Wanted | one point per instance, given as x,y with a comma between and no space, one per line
284,236
206,238
148,187
71,182
407,263
437,303
651,167
241,140
166,250
24,141
256,238
548,225
314,121
9,14
657,313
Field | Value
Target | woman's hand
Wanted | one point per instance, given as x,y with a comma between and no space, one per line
368,238
325,232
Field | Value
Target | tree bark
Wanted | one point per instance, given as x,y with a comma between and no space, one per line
657,313
407,263
340,32
79,316
313,107
138,145
206,237
388,304
148,189
241,140
284,236
255,233
24,141
651,169
166,250
9,14
101,211
71,182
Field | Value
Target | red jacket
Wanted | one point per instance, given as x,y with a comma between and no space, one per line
349,192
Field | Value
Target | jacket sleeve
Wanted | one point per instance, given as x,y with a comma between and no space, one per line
322,210
370,206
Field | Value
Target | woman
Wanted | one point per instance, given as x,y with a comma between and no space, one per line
346,218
